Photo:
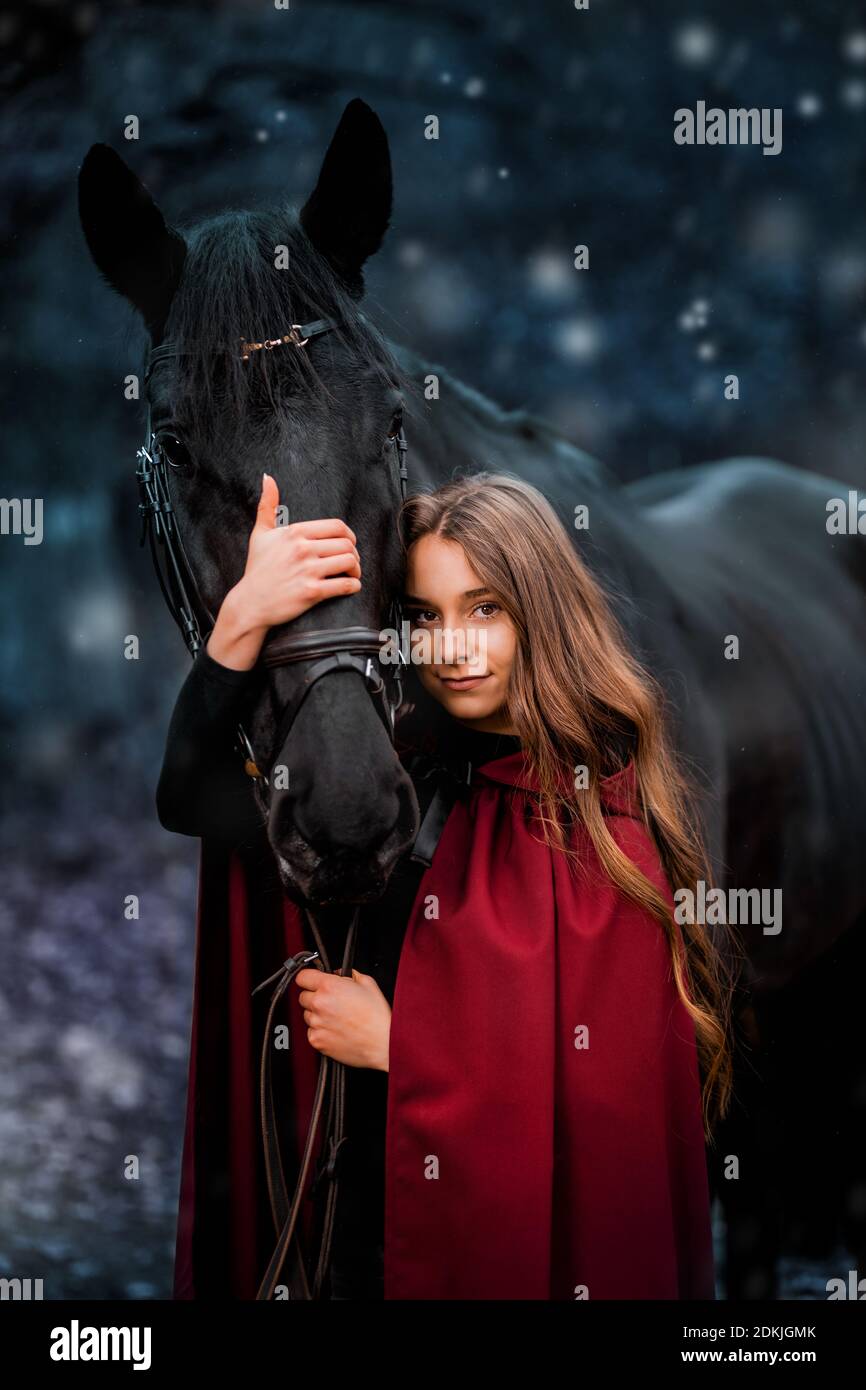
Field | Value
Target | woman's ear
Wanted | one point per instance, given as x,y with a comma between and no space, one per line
347,214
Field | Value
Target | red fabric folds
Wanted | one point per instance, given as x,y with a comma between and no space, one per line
245,929
519,1165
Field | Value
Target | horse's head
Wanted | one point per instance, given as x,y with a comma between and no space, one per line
318,419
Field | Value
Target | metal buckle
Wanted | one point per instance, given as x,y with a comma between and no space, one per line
293,337
372,674
251,767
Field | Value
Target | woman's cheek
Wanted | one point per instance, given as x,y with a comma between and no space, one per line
500,648
430,682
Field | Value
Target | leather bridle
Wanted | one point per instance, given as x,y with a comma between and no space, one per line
327,650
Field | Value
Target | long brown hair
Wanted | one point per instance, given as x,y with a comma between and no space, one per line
575,689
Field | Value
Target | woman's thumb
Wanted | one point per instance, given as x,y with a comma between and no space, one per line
268,502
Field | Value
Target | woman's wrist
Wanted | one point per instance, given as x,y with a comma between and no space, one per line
235,641
381,1062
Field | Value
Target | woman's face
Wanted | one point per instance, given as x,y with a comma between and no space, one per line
472,639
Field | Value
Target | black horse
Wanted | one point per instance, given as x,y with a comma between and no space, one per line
774,730
316,418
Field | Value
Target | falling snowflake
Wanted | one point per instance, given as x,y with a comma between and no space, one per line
695,44
854,46
854,94
695,316
808,104
550,272
411,254
578,339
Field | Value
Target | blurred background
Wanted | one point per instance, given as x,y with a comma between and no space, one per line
556,129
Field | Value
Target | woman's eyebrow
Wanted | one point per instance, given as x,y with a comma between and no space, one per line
469,593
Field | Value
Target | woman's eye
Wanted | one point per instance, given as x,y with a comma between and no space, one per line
177,455
421,615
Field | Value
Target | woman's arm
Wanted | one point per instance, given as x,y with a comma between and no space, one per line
203,789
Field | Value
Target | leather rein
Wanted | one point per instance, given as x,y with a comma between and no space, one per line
326,650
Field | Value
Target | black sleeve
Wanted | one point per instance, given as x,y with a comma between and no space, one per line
203,789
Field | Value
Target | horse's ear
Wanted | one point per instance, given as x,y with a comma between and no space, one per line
347,214
134,250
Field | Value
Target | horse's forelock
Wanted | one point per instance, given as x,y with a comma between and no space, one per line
232,291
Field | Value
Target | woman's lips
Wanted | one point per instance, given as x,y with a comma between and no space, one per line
467,683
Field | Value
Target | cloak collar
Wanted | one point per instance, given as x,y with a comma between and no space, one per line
618,791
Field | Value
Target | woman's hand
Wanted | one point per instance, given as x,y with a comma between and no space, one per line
288,570
347,1019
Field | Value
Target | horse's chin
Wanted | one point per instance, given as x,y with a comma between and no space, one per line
350,878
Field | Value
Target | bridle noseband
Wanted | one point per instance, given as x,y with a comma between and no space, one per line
327,650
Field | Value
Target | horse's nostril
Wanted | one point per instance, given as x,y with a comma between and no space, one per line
352,824
348,829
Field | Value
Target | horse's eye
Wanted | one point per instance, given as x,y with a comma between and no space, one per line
396,423
177,455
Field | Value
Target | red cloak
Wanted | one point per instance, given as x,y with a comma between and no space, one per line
245,929
554,1166
544,1136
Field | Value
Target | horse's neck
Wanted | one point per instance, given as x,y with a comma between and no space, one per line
460,429
455,426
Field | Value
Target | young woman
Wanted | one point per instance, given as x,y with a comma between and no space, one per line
537,1049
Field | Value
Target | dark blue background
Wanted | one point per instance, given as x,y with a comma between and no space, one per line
556,129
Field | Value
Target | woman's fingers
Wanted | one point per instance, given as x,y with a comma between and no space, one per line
316,987
336,546
306,549
334,588
345,563
322,527
290,569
